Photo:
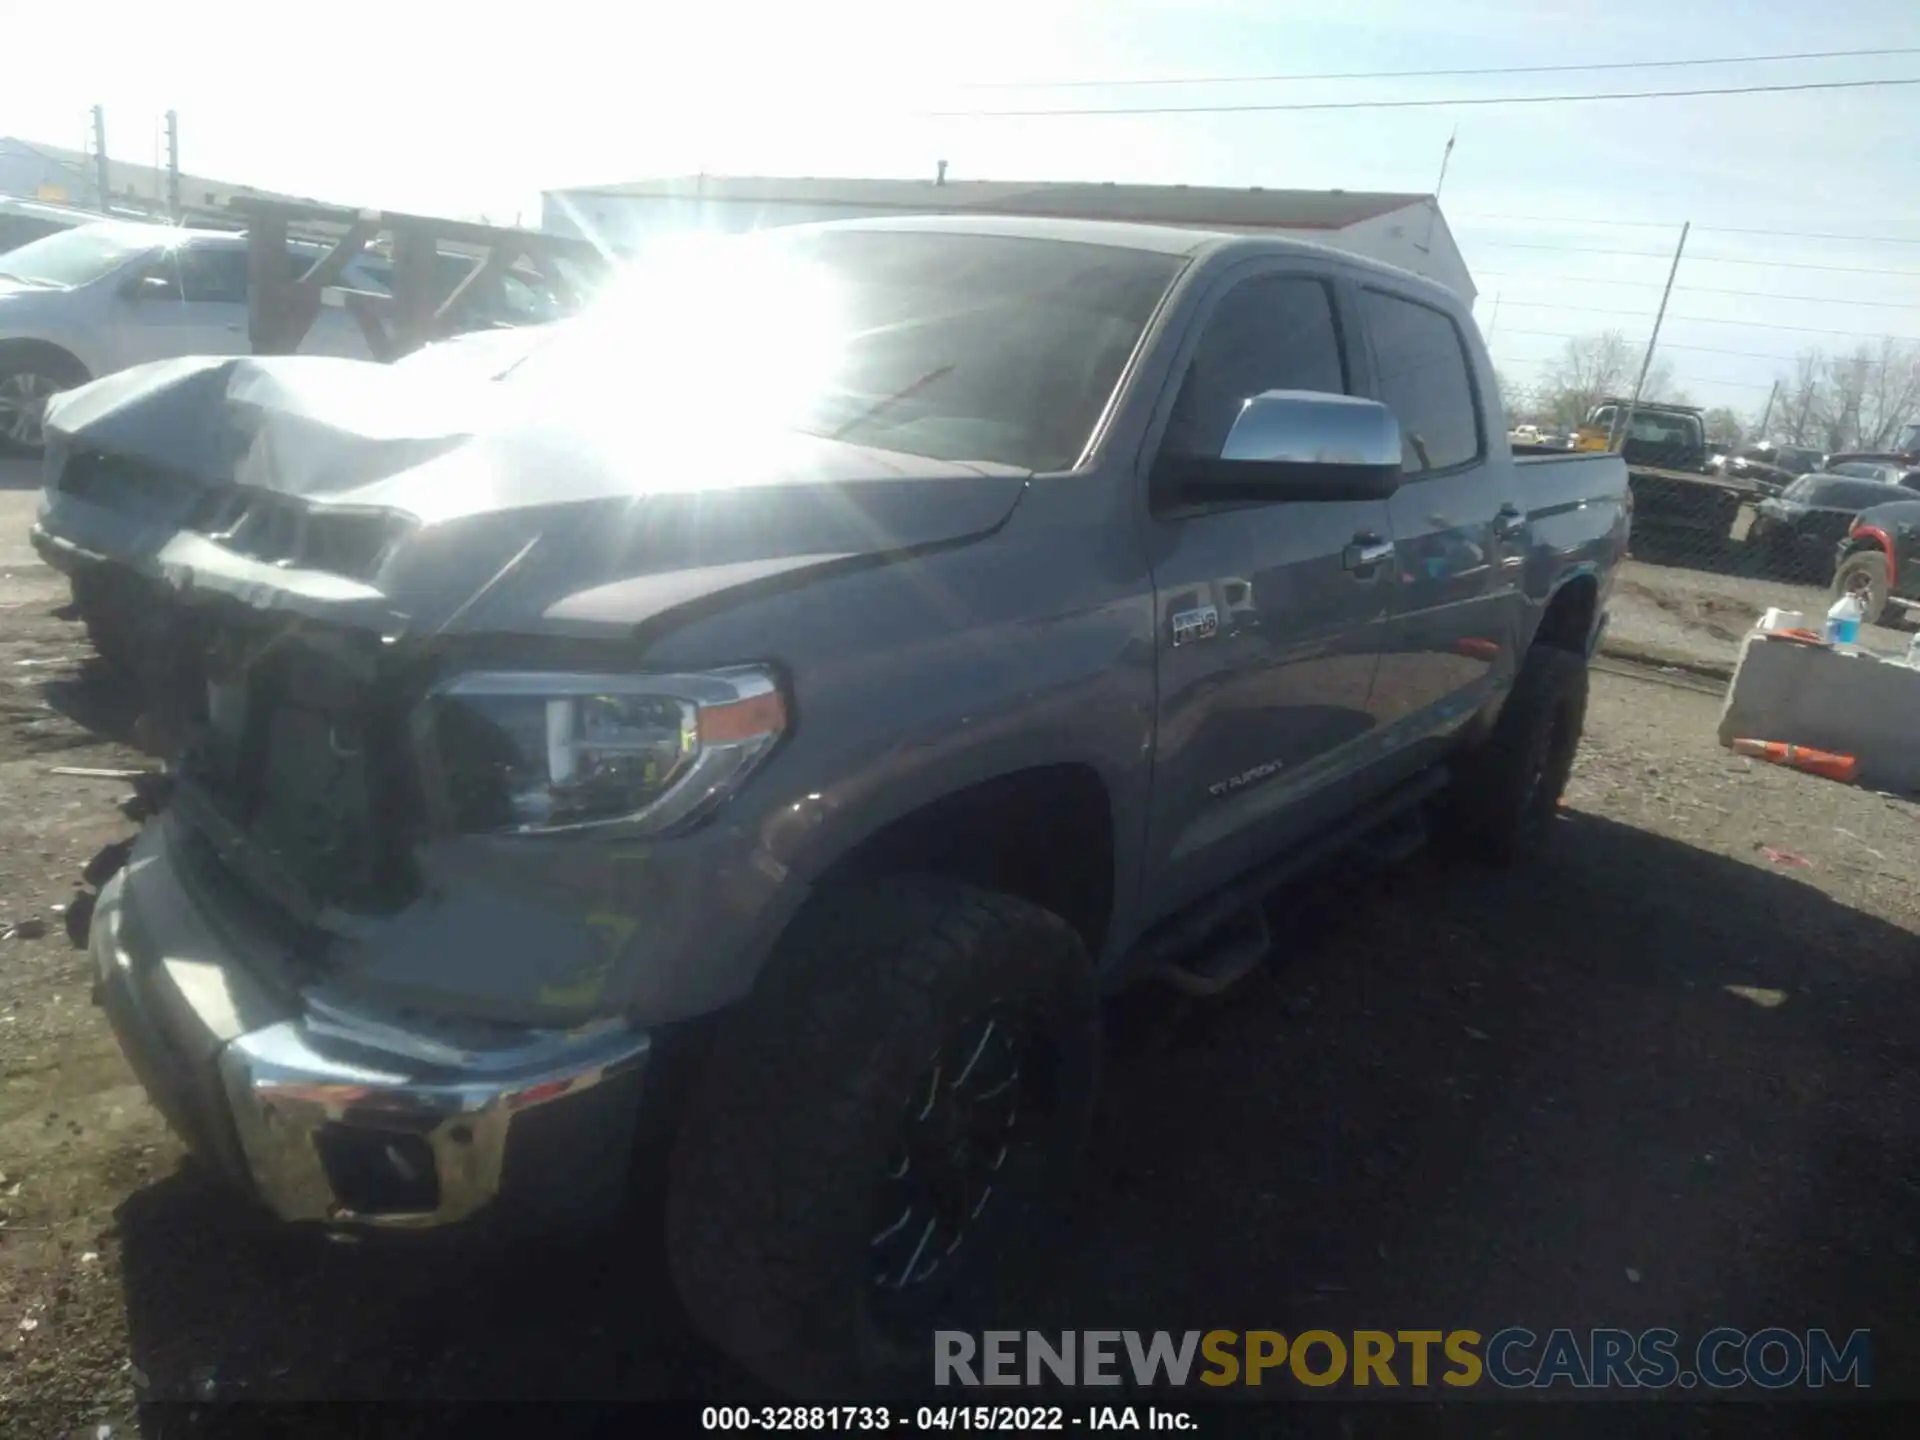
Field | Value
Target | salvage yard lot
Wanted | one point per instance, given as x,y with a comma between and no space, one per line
1462,1099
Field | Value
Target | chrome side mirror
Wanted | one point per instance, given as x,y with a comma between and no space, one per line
1296,446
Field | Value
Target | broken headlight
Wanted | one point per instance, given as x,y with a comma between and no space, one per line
529,752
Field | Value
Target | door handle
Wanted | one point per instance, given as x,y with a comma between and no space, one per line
1509,521
1365,554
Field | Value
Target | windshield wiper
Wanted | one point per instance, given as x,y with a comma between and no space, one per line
887,402
29,280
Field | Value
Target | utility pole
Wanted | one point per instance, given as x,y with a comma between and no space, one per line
173,166
1433,200
105,192
1767,414
1493,323
1623,422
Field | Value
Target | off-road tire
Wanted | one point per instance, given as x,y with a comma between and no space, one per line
770,1198
1870,566
1505,791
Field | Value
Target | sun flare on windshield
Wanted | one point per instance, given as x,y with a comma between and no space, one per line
717,335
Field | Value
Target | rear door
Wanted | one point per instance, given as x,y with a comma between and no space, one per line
1460,536
1270,615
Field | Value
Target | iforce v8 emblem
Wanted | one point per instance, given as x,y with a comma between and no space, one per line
1201,624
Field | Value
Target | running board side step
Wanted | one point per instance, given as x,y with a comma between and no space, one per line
1234,915
1239,945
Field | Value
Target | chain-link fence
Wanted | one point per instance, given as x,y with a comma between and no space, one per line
1717,542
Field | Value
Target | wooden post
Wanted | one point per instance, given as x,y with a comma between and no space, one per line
268,287
415,266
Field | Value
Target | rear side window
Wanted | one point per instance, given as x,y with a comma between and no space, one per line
1272,333
1425,381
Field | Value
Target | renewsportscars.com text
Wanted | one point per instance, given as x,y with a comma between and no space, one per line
1512,1358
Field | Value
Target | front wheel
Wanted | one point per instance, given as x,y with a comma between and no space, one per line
880,1132
1506,791
1863,575
29,377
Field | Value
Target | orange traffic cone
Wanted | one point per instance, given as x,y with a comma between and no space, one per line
1815,762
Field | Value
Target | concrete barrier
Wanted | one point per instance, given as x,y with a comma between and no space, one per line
1848,702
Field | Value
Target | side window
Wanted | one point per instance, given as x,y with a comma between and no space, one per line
1273,333
214,275
1425,381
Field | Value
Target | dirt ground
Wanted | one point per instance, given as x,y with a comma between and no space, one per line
1460,1099
1672,614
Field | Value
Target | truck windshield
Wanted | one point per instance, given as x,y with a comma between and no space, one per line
989,348
78,256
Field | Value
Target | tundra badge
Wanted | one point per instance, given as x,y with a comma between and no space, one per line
1201,624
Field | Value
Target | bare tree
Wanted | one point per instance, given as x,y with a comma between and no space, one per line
1889,394
1589,369
1592,368
1725,427
1516,400
1857,401
1799,398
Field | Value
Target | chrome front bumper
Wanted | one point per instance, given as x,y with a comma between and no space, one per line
331,1114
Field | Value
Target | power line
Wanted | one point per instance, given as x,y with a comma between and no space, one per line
1705,290
1713,259
1669,225
1677,379
1700,320
1698,349
1781,89
1141,83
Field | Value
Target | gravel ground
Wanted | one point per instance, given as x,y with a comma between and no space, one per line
1695,619
1458,1099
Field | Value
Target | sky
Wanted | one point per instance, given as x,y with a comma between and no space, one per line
449,110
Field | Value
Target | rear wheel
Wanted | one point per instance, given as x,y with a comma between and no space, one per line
1506,791
1863,575
881,1132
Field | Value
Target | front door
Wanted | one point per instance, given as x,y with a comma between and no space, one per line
194,304
1270,615
1455,586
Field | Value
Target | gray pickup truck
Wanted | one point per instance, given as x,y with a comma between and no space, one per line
786,703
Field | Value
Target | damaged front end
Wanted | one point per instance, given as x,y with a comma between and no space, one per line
441,856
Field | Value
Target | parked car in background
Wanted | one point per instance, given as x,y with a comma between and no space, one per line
1768,468
820,679
1886,472
1795,533
22,221
98,298
523,296
94,299
1879,560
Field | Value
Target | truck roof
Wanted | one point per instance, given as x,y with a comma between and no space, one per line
1130,235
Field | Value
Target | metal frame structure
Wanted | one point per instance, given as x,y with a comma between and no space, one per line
281,306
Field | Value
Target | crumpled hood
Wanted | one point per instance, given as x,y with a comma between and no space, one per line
525,517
